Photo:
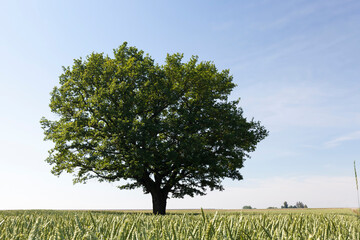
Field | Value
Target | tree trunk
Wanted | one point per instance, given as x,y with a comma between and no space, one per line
159,198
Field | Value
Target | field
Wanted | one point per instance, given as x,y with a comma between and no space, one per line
181,224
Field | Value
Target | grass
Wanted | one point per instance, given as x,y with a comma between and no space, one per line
181,224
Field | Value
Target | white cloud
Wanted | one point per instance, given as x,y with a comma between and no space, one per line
316,105
288,106
339,140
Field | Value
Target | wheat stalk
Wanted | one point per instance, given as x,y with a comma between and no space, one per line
357,187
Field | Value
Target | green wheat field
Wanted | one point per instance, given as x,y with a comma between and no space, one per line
181,224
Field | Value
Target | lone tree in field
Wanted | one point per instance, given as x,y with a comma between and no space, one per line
169,129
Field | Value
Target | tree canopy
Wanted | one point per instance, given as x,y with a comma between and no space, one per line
168,129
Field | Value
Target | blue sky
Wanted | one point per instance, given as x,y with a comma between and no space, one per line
295,63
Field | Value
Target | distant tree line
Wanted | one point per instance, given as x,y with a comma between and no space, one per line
248,207
285,205
297,205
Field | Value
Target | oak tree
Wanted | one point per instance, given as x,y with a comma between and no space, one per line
169,129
